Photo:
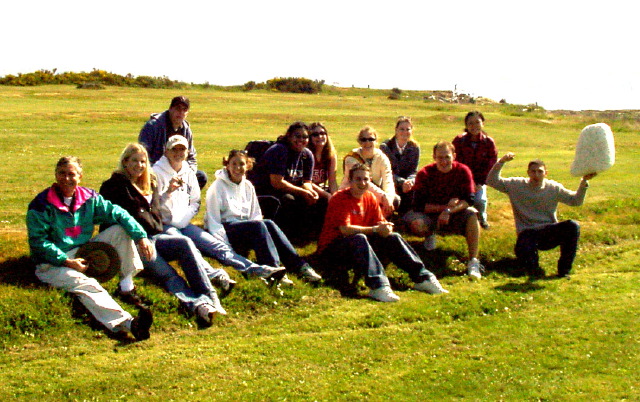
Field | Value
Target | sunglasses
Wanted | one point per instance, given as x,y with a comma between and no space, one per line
368,139
301,136
318,134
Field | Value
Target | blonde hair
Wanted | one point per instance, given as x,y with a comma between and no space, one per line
367,130
144,182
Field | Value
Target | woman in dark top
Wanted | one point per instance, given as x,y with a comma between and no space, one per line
285,172
404,153
133,187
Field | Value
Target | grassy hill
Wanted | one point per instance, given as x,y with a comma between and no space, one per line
501,338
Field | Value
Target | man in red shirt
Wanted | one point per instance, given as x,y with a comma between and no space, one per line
355,232
442,198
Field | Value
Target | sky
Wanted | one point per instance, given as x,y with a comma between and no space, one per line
561,54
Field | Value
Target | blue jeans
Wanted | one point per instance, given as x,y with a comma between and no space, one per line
212,247
180,248
564,234
361,252
271,245
480,201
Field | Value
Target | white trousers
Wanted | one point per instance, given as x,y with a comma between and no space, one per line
92,295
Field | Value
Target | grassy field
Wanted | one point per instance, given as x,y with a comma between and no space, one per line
502,338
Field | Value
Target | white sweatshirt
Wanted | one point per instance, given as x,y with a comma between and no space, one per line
180,206
229,202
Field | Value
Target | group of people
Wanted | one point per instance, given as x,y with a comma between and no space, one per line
146,208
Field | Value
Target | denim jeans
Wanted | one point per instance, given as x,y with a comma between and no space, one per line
172,247
213,247
271,245
480,201
564,234
361,253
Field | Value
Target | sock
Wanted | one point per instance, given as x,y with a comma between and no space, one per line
126,284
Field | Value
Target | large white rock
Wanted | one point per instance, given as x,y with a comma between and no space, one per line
595,151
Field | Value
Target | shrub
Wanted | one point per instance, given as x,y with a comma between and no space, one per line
295,85
249,86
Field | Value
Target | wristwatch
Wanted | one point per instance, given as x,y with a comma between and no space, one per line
447,210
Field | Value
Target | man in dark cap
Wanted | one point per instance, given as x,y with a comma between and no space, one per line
162,126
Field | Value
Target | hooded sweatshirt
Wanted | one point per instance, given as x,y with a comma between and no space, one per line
229,202
180,206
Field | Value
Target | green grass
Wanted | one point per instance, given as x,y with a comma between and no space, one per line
503,338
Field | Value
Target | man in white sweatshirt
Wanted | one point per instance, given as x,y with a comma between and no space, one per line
535,202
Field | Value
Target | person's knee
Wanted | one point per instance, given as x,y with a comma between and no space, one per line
202,177
573,227
418,227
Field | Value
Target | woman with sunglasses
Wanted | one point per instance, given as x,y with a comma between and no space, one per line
234,215
404,154
325,160
381,183
284,172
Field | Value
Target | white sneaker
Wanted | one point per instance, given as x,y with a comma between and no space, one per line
271,273
474,268
430,285
226,284
430,242
384,294
217,306
309,275
286,281
205,313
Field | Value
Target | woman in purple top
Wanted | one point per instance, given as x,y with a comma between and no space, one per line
285,172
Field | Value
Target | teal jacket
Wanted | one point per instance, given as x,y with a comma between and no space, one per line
54,228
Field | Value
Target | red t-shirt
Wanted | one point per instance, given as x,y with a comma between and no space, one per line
345,209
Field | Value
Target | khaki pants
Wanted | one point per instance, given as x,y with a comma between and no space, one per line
92,295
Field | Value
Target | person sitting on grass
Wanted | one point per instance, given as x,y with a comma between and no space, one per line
325,160
162,126
234,217
534,201
478,151
285,172
355,233
133,186
442,199
381,183
403,152
180,202
60,220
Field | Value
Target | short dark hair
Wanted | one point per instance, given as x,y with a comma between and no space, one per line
470,115
537,162
180,101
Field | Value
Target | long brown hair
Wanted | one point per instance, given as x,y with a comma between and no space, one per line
329,150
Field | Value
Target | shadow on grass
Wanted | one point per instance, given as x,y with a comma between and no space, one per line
19,272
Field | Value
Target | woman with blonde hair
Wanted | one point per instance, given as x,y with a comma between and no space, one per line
404,154
133,187
381,183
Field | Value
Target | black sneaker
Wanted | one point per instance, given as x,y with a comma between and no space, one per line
133,297
141,324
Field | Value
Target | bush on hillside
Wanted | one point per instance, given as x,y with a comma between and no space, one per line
101,77
295,85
